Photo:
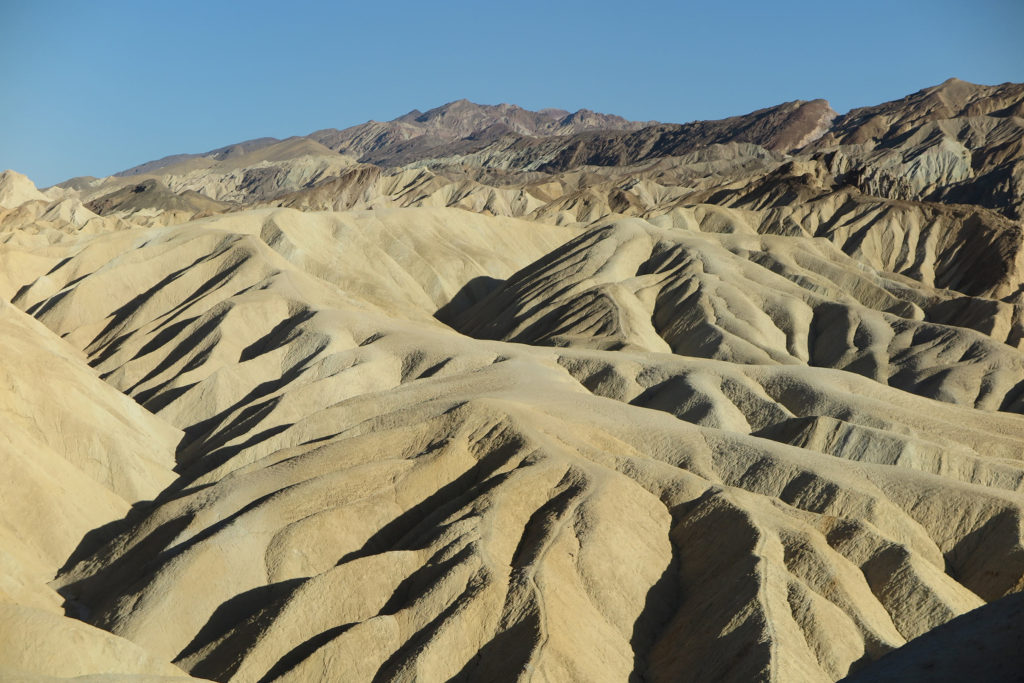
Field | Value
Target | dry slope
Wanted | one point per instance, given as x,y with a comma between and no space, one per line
360,486
688,404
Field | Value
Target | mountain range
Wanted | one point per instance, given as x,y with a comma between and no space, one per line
482,393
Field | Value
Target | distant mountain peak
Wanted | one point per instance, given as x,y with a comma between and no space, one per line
413,135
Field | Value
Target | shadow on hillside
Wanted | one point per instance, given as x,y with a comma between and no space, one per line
473,292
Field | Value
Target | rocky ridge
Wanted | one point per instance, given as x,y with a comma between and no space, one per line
540,395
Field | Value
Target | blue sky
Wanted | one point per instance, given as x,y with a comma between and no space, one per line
91,88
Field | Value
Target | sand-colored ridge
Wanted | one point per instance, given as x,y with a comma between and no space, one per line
75,460
515,412
533,395
16,189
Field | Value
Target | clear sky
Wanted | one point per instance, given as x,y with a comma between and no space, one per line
91,88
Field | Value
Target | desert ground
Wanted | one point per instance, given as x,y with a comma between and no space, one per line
489,394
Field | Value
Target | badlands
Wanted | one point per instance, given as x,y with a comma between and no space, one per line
486,394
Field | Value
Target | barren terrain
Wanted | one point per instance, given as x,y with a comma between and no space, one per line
489,394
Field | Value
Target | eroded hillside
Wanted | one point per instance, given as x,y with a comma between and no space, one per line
511,395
